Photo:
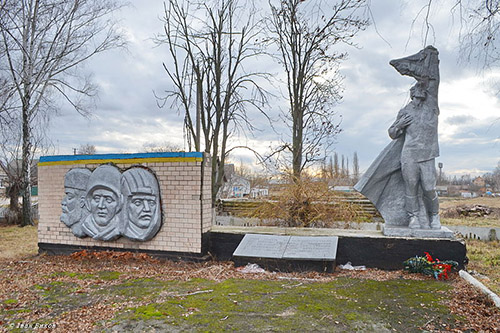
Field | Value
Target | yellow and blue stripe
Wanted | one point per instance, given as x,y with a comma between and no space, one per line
122,158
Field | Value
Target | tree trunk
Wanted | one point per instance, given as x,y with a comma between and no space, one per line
297,144
13,214
25,169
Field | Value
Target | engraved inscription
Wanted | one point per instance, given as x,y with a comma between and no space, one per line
288,247
311,248
262,246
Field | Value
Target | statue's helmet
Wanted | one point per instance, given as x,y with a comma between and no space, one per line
105,176
139,181
77,178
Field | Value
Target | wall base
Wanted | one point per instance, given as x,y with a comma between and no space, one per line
63,249
382,252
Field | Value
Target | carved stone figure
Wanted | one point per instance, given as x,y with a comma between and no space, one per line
106,204
73,204
141,213
401,182
104,201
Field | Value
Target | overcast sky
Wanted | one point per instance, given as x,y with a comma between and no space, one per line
127,116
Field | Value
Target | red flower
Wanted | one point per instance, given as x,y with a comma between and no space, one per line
443,270
428,256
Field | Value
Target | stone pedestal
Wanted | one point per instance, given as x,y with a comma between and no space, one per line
396,231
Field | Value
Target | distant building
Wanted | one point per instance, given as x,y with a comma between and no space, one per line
3,182
239,187
479,182
259,192
468,194
234,186
442,190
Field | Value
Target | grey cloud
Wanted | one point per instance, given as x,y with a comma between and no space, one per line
459,120
126,110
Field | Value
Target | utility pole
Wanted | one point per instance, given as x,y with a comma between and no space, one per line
199,105
440,165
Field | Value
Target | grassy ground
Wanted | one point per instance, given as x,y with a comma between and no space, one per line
445,202
484,258
487,221
16,242
472,222
111,294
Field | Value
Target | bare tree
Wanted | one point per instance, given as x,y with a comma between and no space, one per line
336,167
11,163
11,166
479,28
493,178
87,149
43,43
306,34
212,46
355,167
156,147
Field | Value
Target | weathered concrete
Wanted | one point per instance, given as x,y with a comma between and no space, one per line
477,284
360,247
401,182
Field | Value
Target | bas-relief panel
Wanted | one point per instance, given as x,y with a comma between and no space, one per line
106,204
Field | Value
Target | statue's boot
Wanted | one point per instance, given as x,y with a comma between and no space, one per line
432,206
411,203
435,221
414,222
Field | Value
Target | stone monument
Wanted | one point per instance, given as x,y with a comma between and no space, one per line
105,204
141,213
73,204
401,182
104,201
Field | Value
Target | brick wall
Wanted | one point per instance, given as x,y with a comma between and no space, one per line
184,180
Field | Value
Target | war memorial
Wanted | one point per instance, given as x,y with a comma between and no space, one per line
160,203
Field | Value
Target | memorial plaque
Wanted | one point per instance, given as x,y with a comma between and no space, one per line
311,248
262,246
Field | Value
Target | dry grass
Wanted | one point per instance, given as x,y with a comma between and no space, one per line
16,242
448,204
472,222
454,202
484,257
308,203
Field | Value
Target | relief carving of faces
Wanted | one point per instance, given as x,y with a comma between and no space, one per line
73,206
71,209
106,204
103,206
141,208
142,218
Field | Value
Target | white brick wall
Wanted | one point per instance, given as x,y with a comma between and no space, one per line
180,188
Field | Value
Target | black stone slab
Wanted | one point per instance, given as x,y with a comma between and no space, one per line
374,252
64,249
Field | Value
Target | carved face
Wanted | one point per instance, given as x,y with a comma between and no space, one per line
103,206
141,209
418,91
71,206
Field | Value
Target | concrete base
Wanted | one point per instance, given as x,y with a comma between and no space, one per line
418,233
369,248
